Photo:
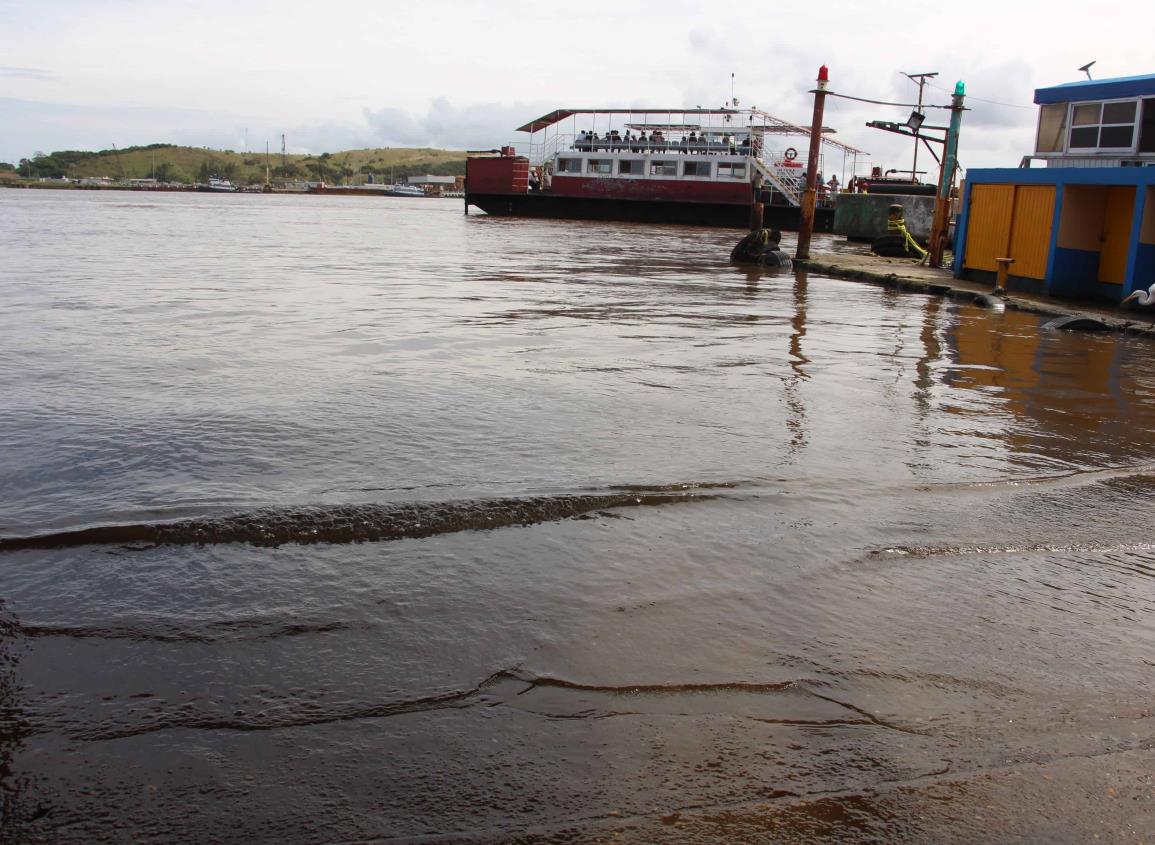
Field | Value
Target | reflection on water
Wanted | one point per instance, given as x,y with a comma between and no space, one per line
15,809
904,592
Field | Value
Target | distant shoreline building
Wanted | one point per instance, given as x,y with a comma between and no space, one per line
431,180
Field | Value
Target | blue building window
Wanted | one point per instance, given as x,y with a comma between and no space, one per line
1103,126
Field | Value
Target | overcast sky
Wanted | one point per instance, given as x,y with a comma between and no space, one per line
87,74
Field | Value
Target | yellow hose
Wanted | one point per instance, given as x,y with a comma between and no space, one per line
898,225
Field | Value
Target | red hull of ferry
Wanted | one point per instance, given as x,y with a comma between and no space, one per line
662,190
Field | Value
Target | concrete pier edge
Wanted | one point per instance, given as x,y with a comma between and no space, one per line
909,276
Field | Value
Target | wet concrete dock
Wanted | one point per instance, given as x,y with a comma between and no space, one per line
908,274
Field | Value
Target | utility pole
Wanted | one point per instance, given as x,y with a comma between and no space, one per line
283,165
810,195
119,162
946,177
920,79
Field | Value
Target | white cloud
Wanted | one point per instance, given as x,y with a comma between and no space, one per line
472,126
34,74
465,74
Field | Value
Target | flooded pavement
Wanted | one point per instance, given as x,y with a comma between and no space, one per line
340,521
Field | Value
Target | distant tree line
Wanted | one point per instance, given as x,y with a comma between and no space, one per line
339,168
57,165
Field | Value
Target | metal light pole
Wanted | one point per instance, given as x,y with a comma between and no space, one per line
921,79
810,195
946,177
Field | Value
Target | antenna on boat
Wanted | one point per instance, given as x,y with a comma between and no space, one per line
1087,68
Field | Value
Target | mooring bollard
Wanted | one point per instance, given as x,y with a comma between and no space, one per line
1001,275
897,242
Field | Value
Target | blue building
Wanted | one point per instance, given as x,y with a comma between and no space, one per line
1084,225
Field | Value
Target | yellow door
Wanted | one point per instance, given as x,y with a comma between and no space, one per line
1031,230
989,225
1117,217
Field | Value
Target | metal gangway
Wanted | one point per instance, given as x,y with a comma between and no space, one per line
784,180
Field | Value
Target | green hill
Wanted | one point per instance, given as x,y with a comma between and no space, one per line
170,163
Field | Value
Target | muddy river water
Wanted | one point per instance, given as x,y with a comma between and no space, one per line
365,521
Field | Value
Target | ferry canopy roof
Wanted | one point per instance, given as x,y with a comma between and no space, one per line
1097,89
559,115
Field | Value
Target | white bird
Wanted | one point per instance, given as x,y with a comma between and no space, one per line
1145,297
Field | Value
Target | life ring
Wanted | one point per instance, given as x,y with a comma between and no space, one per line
790,154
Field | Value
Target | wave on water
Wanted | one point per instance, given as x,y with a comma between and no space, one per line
234,630
790,703
900,552
355,523
1141,473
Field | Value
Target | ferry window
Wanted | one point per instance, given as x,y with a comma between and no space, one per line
630,166
1052,128
1103,126
600,165
696,168
731,171
663,168
569,165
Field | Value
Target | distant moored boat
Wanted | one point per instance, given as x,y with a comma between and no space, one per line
218,186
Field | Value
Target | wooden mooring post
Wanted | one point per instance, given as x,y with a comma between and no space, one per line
1004,269
757,212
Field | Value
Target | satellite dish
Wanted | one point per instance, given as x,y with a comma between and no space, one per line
1087,68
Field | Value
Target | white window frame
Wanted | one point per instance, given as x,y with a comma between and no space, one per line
1097,150
640,163
593,167
708,165
664,163
731,167
568,172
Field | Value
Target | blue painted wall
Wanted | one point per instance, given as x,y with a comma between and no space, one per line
1073,272
1144,275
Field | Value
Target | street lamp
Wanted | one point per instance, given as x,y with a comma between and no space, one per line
921,79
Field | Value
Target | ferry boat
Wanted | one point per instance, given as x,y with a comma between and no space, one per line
708,168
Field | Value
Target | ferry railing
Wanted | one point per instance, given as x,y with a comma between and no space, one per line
555,145
633,145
